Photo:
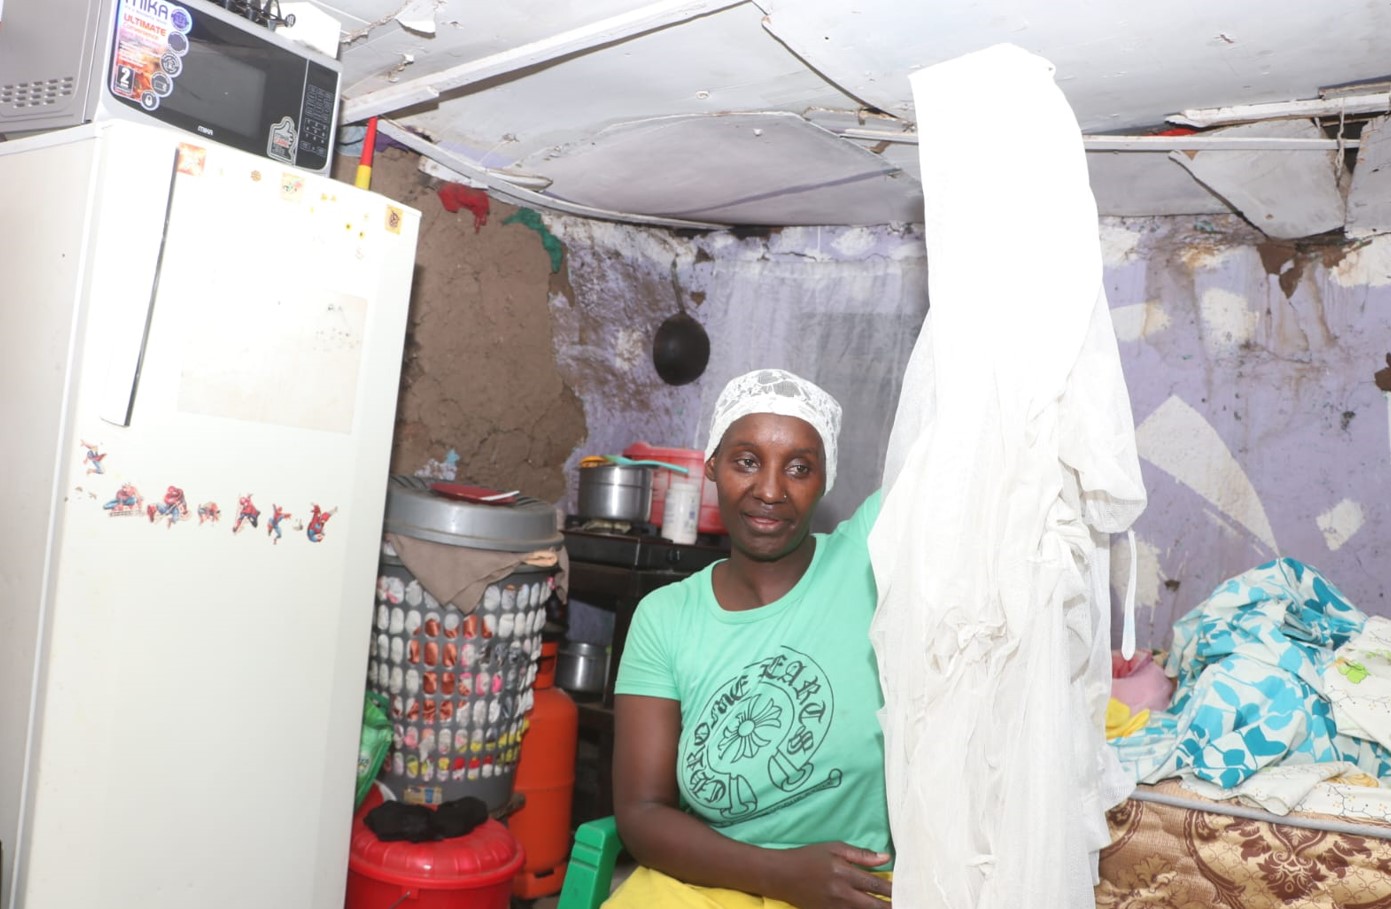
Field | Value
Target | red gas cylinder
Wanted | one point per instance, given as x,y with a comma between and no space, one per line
546,776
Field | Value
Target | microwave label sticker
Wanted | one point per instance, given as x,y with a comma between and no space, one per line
283,141
147,55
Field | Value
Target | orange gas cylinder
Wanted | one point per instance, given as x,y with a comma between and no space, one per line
546,776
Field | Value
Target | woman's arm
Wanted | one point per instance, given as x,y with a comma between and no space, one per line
667,839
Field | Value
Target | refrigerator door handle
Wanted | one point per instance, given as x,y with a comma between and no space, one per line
127,352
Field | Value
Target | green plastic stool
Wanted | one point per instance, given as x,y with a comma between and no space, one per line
590,872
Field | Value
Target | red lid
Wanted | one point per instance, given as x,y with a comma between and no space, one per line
488,855
692,458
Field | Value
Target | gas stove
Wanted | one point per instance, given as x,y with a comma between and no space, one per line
638,547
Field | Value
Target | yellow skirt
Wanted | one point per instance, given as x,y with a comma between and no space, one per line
648,889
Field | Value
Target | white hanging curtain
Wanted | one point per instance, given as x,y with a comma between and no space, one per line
1011,460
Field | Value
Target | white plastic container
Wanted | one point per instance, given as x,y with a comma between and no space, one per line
682,510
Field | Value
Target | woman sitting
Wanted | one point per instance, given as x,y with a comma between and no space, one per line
749,761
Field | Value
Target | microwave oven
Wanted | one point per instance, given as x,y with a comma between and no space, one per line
190,64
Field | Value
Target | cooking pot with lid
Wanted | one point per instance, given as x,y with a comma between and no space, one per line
615,492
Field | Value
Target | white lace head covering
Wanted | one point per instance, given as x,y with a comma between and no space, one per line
778,391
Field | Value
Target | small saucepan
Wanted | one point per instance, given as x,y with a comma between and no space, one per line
582,668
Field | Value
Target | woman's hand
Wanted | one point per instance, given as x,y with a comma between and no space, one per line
830,876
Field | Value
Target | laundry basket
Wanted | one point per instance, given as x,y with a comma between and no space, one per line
458,677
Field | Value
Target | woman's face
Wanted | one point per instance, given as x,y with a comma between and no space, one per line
770,472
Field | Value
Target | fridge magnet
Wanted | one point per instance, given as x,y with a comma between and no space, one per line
282,146
209,512
394,217
127,502
192,159
173,509
92,456
273,525
317,520
246,513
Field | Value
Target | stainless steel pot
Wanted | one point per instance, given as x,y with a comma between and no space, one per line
582,667
615,492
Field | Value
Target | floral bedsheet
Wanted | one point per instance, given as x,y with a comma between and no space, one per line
1164,857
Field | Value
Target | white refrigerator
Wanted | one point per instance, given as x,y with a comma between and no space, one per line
201,357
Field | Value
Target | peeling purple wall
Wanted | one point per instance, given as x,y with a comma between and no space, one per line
1261,430
1250,366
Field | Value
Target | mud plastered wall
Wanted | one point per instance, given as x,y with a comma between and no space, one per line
480,374
1261,430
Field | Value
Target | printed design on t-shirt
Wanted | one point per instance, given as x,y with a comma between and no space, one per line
749,752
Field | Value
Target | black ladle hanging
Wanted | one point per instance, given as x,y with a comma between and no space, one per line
681,348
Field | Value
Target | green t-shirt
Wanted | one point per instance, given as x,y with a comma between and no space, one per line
780,742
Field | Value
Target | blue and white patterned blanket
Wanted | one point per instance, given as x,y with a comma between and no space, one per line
1250,661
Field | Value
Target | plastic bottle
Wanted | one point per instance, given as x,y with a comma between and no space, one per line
682,511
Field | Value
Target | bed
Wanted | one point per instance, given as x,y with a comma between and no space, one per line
1172,848
1267,780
